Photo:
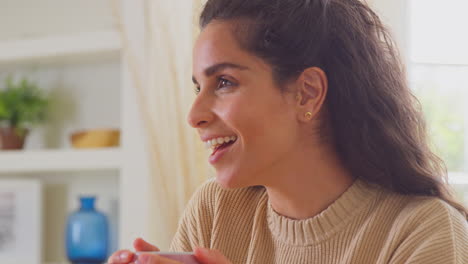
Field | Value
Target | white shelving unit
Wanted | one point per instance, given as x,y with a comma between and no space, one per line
80,56
60,160
60,48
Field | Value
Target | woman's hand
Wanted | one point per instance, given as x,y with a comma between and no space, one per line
210,256
203,255
127,256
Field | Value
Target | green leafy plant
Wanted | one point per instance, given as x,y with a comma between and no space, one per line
22,105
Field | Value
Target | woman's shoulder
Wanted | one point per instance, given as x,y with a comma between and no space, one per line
421,214
423,208
420,227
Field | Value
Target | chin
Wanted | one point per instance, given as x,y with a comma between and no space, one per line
230,180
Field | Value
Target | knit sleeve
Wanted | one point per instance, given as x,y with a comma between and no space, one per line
440,236
197,220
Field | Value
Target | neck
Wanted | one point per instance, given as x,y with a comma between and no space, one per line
317,179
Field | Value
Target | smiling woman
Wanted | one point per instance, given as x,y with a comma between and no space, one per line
318,144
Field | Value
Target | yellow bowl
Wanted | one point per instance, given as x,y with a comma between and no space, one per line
101,138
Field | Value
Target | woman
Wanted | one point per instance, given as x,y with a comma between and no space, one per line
319,146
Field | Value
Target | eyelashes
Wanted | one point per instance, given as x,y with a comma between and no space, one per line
221,83
197,90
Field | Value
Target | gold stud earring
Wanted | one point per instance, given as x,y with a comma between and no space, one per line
308,115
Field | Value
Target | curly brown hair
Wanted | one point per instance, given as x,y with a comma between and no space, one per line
376,122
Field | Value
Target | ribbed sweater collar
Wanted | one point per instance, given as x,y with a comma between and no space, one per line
320,227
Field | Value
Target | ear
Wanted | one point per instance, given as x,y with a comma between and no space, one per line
312,87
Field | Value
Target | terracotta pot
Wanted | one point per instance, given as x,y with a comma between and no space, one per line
10,140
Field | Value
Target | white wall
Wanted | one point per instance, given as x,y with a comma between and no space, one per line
30,18
394,13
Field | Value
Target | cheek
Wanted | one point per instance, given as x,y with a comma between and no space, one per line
244,112
239,118
260,122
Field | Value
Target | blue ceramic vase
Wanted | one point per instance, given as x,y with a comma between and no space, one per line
87,234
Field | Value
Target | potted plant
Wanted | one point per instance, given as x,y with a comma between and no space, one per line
22,105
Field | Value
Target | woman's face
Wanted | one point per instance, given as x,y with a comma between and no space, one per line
237,98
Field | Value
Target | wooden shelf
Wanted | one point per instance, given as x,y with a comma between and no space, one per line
52,48
59,160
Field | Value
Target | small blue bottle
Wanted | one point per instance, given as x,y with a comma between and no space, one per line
87,234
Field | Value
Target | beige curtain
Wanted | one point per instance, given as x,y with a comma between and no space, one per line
182,163
178,158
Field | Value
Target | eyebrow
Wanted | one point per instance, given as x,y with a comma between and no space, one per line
219,67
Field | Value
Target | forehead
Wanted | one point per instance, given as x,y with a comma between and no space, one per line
217,43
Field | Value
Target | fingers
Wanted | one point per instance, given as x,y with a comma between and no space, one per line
121,257
154,259
126,256
210,256
141,245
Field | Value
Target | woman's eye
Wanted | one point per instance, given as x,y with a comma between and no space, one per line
197,89
223,82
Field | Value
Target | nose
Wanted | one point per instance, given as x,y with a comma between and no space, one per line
200,113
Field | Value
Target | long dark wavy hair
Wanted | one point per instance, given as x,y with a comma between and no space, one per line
376,122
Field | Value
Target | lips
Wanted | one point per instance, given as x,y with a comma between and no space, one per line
219,152
223,146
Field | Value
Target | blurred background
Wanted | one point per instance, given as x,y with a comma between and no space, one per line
99,90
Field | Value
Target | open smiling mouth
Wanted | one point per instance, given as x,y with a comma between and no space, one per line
219,146
222,146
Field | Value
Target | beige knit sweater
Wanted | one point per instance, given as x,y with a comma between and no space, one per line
365,225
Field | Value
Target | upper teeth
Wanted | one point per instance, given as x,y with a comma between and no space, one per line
215,142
